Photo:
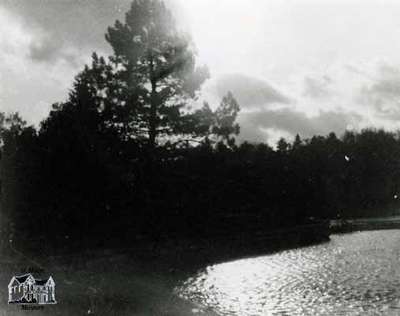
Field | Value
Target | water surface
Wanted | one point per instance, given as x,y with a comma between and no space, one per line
353,274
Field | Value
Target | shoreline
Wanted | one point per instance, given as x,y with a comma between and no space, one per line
141,280
364,224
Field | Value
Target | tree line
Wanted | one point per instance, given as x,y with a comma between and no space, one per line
130,155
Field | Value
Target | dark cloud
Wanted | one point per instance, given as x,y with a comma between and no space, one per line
43,50
383,94
317,88
253,94
51,51
76,24
249,91
386,89
294,122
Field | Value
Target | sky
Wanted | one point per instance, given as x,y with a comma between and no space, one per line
295,66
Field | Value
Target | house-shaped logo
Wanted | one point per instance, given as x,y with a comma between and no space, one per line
25,289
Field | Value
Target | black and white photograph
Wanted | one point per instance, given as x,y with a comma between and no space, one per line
200,157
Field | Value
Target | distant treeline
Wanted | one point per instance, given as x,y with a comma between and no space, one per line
125,158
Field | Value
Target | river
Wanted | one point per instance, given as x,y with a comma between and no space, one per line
353,274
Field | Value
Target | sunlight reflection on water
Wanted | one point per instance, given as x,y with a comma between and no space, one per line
353,274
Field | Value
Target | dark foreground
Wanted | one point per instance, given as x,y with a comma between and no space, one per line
140,280
102,283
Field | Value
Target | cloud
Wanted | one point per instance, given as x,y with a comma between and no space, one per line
268,114
66,28
317,88
255,123
43,50
355,70
27,86
276,60
249,91
49,51
383,93
388,89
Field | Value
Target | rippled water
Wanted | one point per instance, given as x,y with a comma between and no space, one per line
353,274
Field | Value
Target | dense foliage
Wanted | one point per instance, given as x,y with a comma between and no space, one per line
76,185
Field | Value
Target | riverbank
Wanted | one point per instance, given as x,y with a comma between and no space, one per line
188,256
140,280
364,224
